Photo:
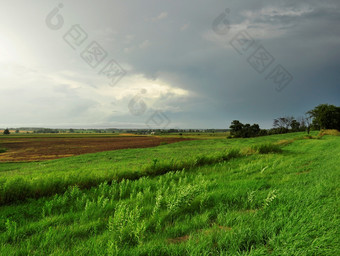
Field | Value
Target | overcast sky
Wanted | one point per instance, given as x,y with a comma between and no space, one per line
165,64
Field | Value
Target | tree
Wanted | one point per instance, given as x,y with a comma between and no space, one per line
303,124
289,121
244,130
283,122
279,122
17,131
255,130
295,126
6,131
308,120
325,116
263,133
236,128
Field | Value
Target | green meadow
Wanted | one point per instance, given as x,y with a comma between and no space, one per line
273,195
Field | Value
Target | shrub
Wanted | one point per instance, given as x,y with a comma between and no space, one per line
248,151
15,189
267,148
2,150
309,137
233,153
126,226
329,132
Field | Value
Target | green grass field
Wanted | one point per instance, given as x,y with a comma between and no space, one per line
274,195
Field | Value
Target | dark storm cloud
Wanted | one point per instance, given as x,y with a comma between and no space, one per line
173,42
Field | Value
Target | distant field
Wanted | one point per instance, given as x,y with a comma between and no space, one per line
23,148
272,195
199,135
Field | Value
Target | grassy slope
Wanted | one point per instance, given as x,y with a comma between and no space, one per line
279,204
50,177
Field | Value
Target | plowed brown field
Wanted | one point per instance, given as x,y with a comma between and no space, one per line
37,149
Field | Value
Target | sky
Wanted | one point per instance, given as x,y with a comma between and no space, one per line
165,64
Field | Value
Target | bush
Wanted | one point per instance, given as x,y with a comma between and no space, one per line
267,148
125,227
2,150
233,153
329,132
15,189
309,137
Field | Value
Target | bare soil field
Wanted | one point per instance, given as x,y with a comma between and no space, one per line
38,149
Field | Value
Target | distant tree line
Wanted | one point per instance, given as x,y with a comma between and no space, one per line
46,130
290,124
323,116
176,131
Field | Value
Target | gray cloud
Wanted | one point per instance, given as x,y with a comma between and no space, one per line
165,47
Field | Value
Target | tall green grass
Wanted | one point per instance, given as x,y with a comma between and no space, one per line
35,180
262,204
267,148
20,188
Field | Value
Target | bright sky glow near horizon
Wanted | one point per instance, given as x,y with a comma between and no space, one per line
182,71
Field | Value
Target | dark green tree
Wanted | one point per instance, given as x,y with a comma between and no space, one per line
246,131
6,131
255,130
236,128
239,130
325,117
295,125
